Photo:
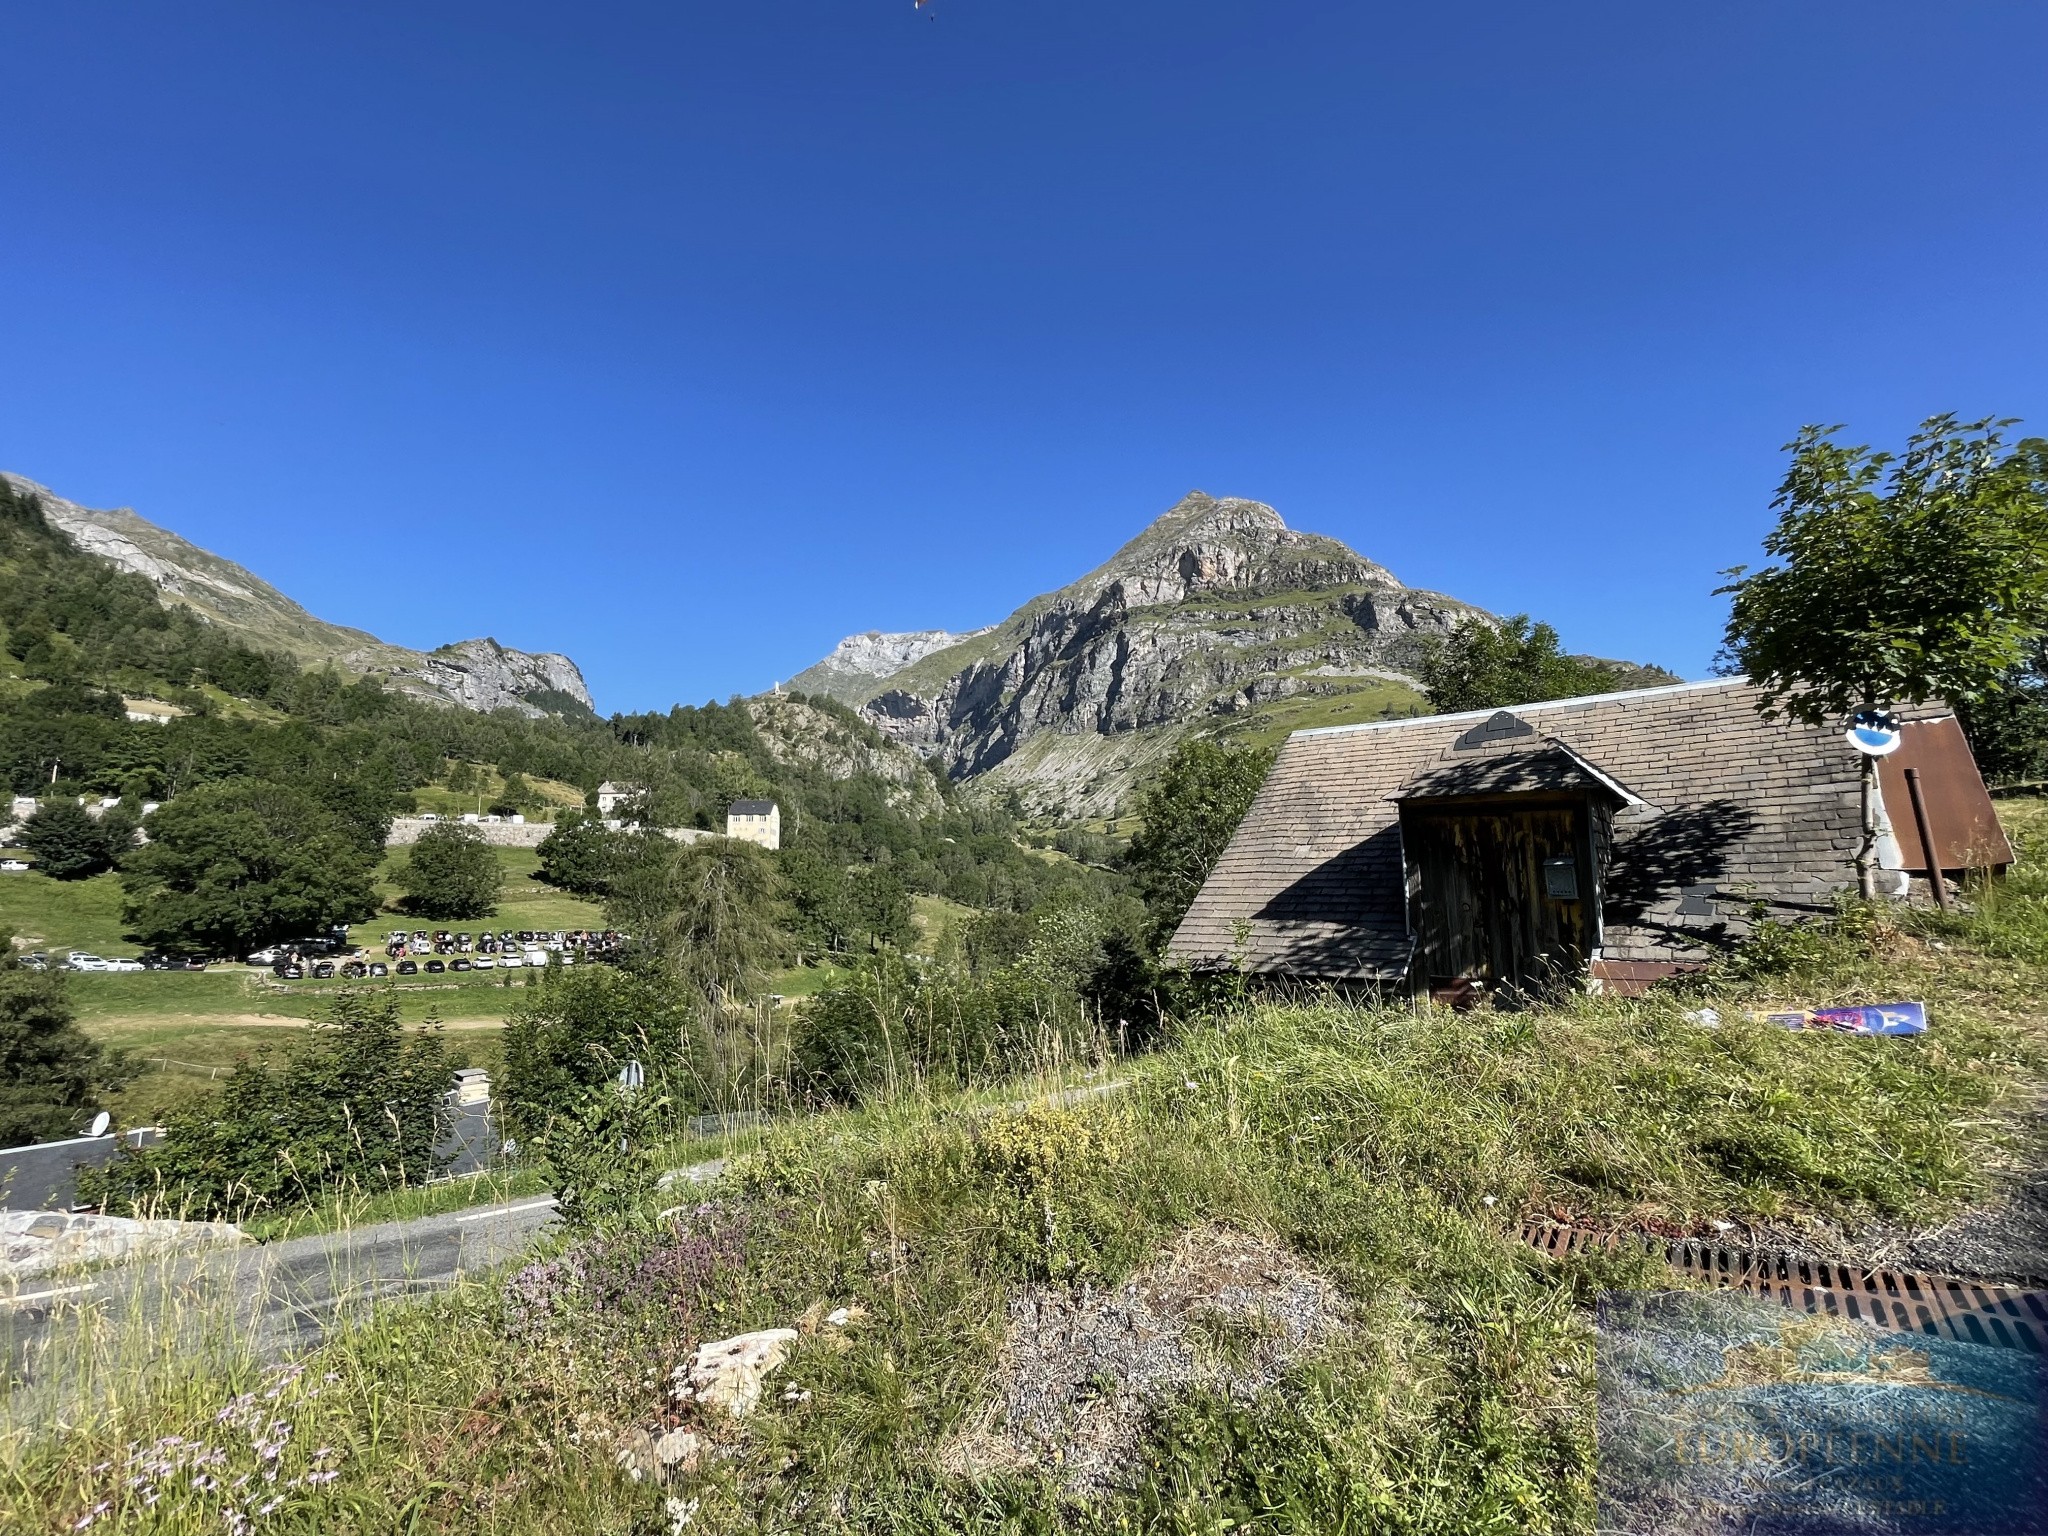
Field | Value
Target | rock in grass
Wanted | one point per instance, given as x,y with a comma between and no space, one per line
725,1376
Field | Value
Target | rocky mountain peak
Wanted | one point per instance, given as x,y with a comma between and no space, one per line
473,674
1205,544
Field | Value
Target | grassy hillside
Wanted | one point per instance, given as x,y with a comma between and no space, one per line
1319,1203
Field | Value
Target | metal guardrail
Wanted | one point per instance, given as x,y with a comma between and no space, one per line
1970,1311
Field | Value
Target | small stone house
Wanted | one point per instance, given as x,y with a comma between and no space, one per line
755,821
1608,841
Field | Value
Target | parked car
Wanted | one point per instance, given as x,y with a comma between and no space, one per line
125,965
408,967
436,967
379,968
36,960
290,970
154,962
80,961
483,963
355,970
324,971
266,956
460,965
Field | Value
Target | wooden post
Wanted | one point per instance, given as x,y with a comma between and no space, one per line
1927,848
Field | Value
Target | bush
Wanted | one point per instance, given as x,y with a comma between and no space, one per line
894,1022
357,1104
452,874
51,1071
572,1033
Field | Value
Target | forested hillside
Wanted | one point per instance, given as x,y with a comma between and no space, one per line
78,639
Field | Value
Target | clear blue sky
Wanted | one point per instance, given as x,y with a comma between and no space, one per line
687,338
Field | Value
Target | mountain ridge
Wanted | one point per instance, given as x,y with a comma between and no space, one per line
1215,617
475,674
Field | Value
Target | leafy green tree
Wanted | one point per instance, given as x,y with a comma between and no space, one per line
51,1071
578,855
571,1034
1189,810
236,865
452,874
358,1103
709,912
68,843
1483,667
2008,724
1899,579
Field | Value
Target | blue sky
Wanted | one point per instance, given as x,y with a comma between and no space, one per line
687,338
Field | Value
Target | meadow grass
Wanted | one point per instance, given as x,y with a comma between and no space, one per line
1394,1149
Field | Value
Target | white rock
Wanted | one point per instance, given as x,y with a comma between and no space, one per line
726,1375
36,1242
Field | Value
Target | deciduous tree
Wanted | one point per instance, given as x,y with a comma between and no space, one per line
451,874
68,844
1519,662
236,865
1898,579
1189,810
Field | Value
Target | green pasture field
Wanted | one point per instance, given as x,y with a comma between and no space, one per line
183,1029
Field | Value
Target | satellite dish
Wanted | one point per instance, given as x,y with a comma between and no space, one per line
1874,732
100,1122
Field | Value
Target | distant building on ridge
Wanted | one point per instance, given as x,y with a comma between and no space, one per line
755,821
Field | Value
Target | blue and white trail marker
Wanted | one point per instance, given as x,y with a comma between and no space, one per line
1874,732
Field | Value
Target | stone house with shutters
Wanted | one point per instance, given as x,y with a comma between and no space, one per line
1607,841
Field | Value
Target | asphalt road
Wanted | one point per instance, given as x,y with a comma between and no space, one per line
64,1336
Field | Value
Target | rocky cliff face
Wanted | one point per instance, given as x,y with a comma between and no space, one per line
1218,615
474,674
800,734
859,662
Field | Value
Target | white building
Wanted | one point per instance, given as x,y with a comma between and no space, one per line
611,796
755,821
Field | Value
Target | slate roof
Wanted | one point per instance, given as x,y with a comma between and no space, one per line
1716,807
750,808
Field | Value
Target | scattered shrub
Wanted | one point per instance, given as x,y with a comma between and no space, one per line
356,1103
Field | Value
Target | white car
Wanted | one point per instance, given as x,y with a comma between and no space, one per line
483,963
537,957
264,957
126,965
80,961
511,961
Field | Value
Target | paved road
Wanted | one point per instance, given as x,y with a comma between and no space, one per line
268,1299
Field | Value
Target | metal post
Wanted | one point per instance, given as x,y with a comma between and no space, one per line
1927,849
1866,851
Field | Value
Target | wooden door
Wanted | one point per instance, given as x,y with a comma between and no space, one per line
1503,895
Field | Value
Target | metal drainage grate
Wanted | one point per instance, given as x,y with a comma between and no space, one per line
1970,1311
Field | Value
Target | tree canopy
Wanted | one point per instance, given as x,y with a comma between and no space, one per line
233,866
68,843
1898,579
452,874
707,912
1519,662
1189,810
51,1071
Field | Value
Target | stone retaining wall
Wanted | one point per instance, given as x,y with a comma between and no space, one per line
499,834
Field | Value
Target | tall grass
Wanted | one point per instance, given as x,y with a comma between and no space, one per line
1394,1149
